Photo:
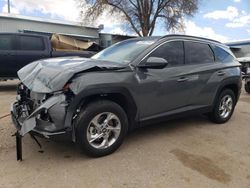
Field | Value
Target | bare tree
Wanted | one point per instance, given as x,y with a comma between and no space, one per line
142,15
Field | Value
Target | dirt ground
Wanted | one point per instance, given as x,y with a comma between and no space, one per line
190,152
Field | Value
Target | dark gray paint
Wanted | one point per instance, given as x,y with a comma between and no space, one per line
155,91
50,75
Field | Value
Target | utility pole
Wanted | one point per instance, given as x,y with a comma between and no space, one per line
9,6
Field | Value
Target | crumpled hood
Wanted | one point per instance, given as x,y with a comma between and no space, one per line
49,75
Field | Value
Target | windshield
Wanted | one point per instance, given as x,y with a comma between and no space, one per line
124,52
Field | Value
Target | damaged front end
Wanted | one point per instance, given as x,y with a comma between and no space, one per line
44,104
39,114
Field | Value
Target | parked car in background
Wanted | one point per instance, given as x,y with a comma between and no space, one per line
241,50
132,83
18,50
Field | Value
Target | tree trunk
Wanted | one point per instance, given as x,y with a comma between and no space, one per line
145,32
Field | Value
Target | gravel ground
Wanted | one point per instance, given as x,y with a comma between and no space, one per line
190,152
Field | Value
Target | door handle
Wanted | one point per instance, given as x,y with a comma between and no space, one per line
221,73
182,79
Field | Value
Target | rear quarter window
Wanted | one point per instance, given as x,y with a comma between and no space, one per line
31,43
222,55
198,53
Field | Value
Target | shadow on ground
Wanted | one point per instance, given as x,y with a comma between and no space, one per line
58,149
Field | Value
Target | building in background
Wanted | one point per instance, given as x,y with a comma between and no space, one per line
107,39
25,24
240,48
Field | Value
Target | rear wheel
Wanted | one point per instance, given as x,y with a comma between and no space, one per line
224,107
101,128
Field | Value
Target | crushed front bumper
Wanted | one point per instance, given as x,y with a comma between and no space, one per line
54,108
46,120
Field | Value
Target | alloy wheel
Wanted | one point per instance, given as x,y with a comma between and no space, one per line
226,106
103,130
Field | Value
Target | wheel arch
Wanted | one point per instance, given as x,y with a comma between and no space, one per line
231,83
120,95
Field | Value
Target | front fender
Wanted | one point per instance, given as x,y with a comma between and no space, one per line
101,90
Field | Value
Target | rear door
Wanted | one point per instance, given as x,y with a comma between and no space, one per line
7,55
30,48
200,61
165,90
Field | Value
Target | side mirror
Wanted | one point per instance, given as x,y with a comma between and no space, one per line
154,63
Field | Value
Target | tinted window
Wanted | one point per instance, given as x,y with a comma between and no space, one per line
171,51
6,42
222,55
31,43
198,53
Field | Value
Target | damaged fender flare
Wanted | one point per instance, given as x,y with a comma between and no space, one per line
80,98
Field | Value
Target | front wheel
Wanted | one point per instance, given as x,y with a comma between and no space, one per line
101,128
224,107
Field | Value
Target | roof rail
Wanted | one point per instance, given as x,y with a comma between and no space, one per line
189,36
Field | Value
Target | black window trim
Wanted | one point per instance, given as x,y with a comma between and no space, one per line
210,46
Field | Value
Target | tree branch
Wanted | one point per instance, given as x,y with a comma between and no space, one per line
142,15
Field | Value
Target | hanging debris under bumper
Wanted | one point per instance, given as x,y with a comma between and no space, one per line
38,114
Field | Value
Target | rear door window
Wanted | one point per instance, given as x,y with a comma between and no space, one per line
31,43
172,51
7,42
198,53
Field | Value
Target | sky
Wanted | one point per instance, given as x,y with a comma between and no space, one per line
223,20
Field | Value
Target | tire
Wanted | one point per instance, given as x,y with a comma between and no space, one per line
247,87
96,136
217,115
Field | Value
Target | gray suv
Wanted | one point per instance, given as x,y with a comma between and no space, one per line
94,102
